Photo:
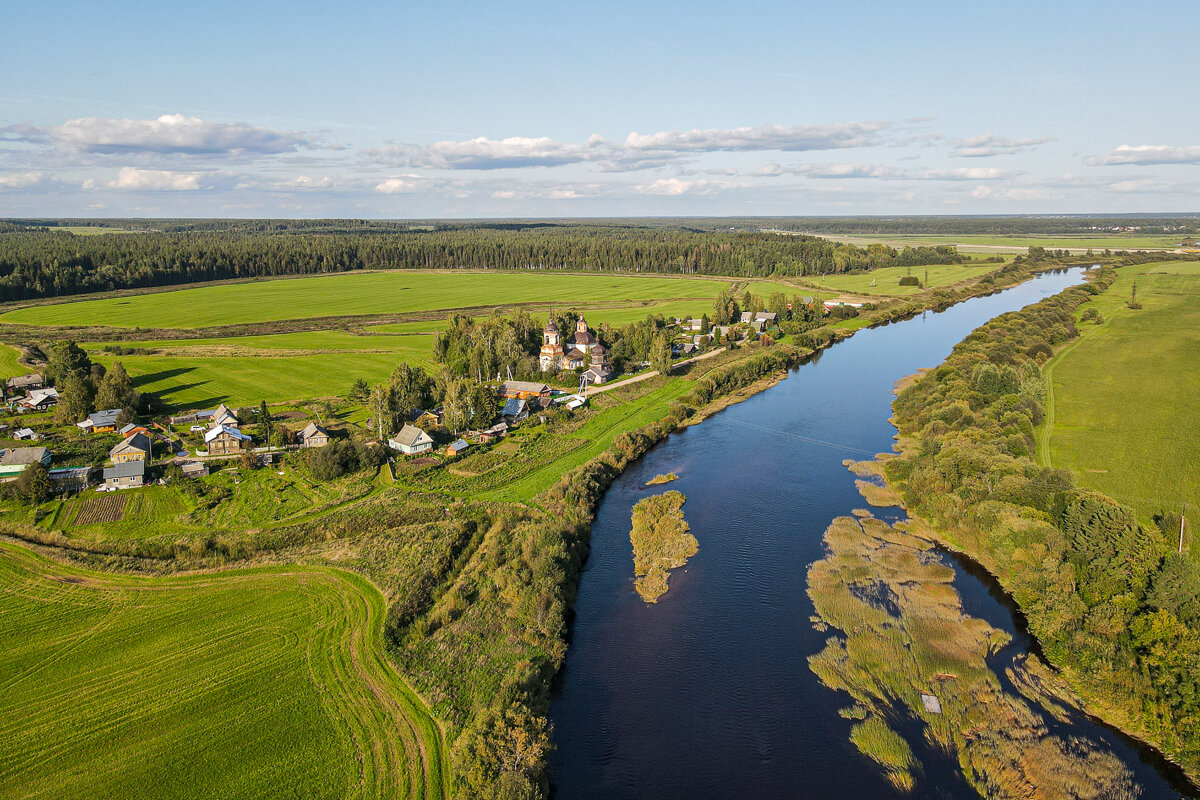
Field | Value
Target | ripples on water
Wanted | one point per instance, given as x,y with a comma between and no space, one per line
708,694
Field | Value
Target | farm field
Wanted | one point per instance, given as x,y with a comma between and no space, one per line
887,279
109,682
1122,397
999,243
352,294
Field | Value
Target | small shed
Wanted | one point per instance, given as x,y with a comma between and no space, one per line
26,433
71,479
195,469
456,447
515,410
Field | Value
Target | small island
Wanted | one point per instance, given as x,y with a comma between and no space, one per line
661,542
660,478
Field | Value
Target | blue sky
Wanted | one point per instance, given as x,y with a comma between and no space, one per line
356,109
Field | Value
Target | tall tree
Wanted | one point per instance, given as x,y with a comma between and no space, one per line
115,389
67,358
75,397
382,405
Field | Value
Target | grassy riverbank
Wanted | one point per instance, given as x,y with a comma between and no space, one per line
1114,609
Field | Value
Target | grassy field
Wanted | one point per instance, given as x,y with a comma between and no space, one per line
887,280
1121,414
9,365
246,369
998,243
356,294
110,683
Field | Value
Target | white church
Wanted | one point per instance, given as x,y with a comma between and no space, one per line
582,348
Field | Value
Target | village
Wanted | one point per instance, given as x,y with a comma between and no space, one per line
115,449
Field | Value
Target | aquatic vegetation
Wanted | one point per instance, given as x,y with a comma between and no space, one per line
901,633
661,542
887,748
657,479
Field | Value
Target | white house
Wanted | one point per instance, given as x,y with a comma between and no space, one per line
411,440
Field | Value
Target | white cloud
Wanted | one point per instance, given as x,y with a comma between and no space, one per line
21,180
1149,154
172,134
638,151
887,173
991,145
503,194
784,138
674,187
157,180
398,186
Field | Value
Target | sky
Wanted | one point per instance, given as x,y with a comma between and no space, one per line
557,109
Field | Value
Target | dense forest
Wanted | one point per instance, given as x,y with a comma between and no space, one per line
1109,599
48,263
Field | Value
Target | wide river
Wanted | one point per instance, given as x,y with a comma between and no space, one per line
708,694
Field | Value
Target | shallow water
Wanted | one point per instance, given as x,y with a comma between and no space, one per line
708,694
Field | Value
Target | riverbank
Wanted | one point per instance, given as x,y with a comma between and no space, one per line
1097,589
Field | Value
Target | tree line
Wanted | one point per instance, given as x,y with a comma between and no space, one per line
46,263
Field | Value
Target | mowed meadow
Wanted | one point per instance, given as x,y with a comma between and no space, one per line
110,683
298,366
1119,414
356,294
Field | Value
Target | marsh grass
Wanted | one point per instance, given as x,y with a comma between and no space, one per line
658,479
899,631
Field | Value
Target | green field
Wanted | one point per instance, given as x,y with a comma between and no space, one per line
887,280
276,367
356,294
1001,243
110,684
9,366
1121,414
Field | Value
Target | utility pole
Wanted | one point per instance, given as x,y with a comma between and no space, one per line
1182,520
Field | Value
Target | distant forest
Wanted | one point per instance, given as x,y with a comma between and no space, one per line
38,262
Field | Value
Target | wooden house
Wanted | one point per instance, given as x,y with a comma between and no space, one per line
195,469
457,447
523,390
134,448
25,383
39,399
101,421
225,440
313,435
515,410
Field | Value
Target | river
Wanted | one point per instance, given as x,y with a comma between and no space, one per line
708,694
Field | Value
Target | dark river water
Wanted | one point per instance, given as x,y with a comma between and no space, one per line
708,694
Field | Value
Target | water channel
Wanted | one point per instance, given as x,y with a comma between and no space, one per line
708,694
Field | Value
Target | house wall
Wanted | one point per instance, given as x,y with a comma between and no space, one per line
224,445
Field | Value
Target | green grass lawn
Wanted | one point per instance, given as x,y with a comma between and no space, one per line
356,294
1123,396
252,684
887,280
